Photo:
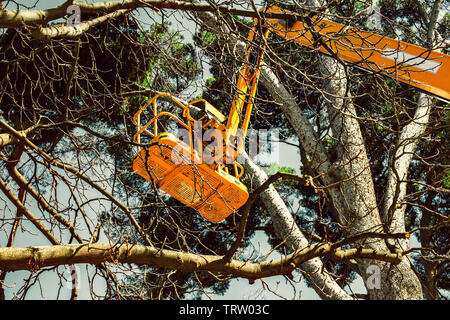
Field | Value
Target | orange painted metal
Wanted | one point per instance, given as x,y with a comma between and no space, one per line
214,193
419,67
178,169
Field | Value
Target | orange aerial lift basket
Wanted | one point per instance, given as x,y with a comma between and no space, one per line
178,169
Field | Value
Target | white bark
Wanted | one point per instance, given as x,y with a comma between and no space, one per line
359,210
287,230
394,210
306,134
6,139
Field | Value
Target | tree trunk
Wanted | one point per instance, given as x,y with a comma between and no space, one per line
359,210
353,194
287,230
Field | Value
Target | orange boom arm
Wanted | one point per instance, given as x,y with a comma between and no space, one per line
422,68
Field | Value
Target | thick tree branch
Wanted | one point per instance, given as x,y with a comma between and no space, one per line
7,139
17,18
38,257
393,209
25,185
249,204
285,227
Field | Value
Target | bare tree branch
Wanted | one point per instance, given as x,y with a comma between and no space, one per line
38,257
